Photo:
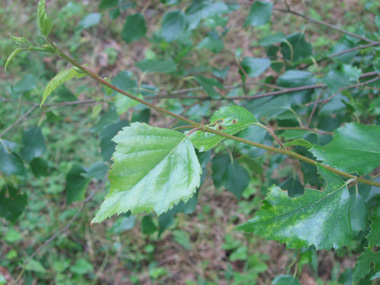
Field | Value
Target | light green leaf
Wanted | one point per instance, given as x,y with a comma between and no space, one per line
163,66
11,56
124,103
319,218
173,25
60,78
36,266
90,20
259,14
208,85
370,258
272,39
229,120
43,20
300,142
81,267
134,28
255,66
354,148
153,170
212,42
285,280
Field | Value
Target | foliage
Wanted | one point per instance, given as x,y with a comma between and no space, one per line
313,105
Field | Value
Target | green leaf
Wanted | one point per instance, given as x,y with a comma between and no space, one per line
259,14
124,103
255,66
285,280
27,83
229,174
229,120
319,218
212,42
173,25
81,267
299,142
33,144
293,186
59,79
153,170
208,85
107,146
39,167
43,20
10,163
97,170
335,80
36,266
105,4
300,48
90,20
147,225
163,66
12,203
370,258
76,184
11,56
355,148
134,28
272,39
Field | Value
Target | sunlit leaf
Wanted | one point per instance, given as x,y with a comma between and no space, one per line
43,20
153,170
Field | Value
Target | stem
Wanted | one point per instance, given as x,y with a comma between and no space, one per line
271,133
93,75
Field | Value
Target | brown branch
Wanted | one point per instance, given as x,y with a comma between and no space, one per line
305,129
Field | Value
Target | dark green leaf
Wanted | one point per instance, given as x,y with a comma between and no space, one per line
90,20
43,20
76,184
336,80
105,4
173,25
153,170
10,163
229,174
106,119
27,83
221,73
285,280
268,108
293,187
33,144
229,120
97,170
319,218
200,10
259,14
134,28
255,66
164,66
370,258
147,225
123,224
39,167
272,39
208,85
354,148
300,48
12,203
107,146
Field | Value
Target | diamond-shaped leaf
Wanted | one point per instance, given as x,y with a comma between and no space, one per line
229,120
354,148
319,218
153,170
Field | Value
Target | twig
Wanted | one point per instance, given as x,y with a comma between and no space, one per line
306,129
19,120
352,49
324,24
313,111
342,89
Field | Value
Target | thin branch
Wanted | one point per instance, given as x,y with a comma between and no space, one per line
19,120
313,111
305,129
324,24
342,89
373,44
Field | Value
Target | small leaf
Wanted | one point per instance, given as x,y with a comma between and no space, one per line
153,170
212,42
208,85
147,225
285,280
97,170
107,146
299,142
60,78
43,20
11,56
229,174
12,203
33,144
319,218
354,148
301,49
10,163
163,66
105,4
270,40
36,266
134,28
255,66
124,103
90,20
81,267
259,14
76,184
229,120
39,167
173,25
